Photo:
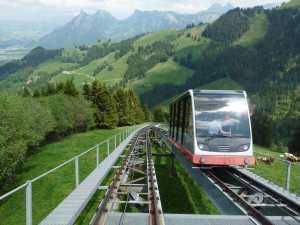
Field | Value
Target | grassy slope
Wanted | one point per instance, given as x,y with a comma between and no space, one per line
41,75
222,84
49,191
163,73
78,78
276,172
90,68
117,73
188,38
164,35
256,32
291,4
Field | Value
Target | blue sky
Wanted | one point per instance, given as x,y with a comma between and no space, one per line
45,9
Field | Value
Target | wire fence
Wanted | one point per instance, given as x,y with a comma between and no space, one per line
35,199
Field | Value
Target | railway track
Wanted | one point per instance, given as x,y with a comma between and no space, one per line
134,187
254,199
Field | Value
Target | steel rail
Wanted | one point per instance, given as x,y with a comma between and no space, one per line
139,156
274,196
155,211
121,221
103,207
251,211
253,185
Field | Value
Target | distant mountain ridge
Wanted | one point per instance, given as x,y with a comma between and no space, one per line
86,29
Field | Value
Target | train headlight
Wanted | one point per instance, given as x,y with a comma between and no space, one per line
203,147
244,147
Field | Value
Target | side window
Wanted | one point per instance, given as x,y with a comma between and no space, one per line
188,128
178,130
171,120
183,120
175,121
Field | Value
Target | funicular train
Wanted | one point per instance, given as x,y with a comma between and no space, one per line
212,128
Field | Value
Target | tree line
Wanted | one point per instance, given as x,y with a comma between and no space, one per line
268,70
37,117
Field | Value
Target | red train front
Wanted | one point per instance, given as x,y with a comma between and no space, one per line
212,127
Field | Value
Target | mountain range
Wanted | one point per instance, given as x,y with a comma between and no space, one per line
86,29
251,49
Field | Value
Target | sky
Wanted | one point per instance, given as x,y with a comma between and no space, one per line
65,9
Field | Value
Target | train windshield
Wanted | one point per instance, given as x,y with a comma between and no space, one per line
221,116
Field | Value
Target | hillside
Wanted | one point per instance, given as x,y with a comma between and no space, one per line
253,49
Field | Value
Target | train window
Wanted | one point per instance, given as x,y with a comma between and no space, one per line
182,109
178,130
222,122
183,119
171,120
188,125
175,121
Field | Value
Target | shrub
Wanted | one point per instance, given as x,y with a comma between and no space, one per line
23,123
71,114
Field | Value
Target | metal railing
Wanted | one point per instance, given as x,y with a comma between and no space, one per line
284,172
110,144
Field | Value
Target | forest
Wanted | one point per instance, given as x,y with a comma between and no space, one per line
268,69
34,118
255,48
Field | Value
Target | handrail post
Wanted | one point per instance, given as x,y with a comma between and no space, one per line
29,203
77,170
115,142
107,145
288,176
97,155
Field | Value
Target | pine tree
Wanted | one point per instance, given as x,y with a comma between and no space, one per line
60,87
36,93
147,113
122,107
50,89
26,92
70,89
136,111
159,115
106,114
86,91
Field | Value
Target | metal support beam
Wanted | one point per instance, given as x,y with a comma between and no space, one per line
77,171
97,155
29,203
288,176
107,146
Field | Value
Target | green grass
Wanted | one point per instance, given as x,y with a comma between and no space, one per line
188,38
54,66
52,189
180,193
78,78
90,68
257,31
196,50
117,73
291,4
222,84
163,35
276,172
163,73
